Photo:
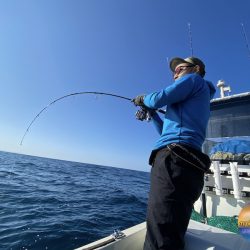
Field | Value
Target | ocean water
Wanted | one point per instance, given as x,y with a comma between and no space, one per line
55,204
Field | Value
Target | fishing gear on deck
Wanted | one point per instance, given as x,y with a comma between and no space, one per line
142,114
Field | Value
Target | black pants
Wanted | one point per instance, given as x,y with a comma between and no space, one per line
175,186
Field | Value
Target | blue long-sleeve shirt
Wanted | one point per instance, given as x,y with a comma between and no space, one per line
188,108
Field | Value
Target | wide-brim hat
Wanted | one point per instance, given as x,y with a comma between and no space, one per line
191,60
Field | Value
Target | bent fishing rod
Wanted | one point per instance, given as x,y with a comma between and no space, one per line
141,115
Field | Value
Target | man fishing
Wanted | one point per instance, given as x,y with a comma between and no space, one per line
178,164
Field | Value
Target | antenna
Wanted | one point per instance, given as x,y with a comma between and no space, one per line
246,40
169,70
190,39
167,59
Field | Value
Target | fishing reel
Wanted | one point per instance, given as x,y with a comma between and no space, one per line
143,114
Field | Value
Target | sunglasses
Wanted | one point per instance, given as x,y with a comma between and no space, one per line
181,68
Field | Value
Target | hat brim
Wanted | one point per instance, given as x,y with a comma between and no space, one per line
175,62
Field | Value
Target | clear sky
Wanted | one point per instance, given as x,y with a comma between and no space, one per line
50,48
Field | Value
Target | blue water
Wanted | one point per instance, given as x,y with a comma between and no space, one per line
54,204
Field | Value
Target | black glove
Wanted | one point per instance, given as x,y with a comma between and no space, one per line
138,101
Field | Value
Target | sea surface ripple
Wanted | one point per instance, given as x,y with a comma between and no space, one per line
55,204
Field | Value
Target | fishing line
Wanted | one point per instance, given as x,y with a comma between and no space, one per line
73,94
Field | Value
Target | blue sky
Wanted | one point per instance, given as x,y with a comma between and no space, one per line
52,48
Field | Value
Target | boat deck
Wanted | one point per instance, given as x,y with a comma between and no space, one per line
199,237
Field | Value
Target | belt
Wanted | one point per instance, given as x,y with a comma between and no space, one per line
195,158
188,154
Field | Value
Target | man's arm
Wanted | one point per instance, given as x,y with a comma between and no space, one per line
176,92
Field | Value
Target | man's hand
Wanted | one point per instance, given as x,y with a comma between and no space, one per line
138,101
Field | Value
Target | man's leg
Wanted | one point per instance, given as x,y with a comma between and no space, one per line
174,188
